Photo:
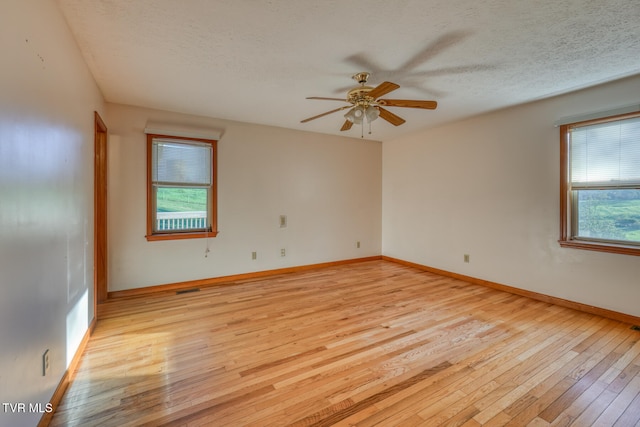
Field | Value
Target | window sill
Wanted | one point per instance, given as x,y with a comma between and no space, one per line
600,247
180,236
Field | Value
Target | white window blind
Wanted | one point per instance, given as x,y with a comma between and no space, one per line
606,155
176,162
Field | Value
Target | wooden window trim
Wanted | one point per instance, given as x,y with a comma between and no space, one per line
566,241
213,232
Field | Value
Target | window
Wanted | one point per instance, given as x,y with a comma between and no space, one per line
181,188
600,184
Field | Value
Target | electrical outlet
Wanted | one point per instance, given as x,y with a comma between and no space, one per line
358,244
466,257
45,363
254,255
283,221
283,252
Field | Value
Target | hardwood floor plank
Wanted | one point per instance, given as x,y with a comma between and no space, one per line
631,414
619,405
593,411
371,400
374,343
560,404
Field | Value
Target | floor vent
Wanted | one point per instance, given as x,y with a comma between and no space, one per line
186,291
635,328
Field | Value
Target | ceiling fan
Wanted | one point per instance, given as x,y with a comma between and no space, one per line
365,103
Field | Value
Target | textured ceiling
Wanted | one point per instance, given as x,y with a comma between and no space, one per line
256,60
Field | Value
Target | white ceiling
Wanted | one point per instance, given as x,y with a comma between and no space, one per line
256,60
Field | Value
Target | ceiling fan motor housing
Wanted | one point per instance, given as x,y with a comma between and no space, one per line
360,95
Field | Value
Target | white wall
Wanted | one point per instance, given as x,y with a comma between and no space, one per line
328,187
47,100
489,187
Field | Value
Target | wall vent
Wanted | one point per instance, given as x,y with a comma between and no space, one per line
186,291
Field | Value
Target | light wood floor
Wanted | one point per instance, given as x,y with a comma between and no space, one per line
373,343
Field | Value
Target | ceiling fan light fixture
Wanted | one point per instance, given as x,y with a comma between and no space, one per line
355,115
372,113
350,115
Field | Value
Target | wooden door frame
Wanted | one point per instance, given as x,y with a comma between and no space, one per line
100,214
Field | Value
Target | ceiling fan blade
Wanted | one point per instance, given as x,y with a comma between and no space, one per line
382,89
428,105
347,125
327,99
390,117
324,114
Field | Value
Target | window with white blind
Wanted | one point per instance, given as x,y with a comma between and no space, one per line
181,190
600,187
